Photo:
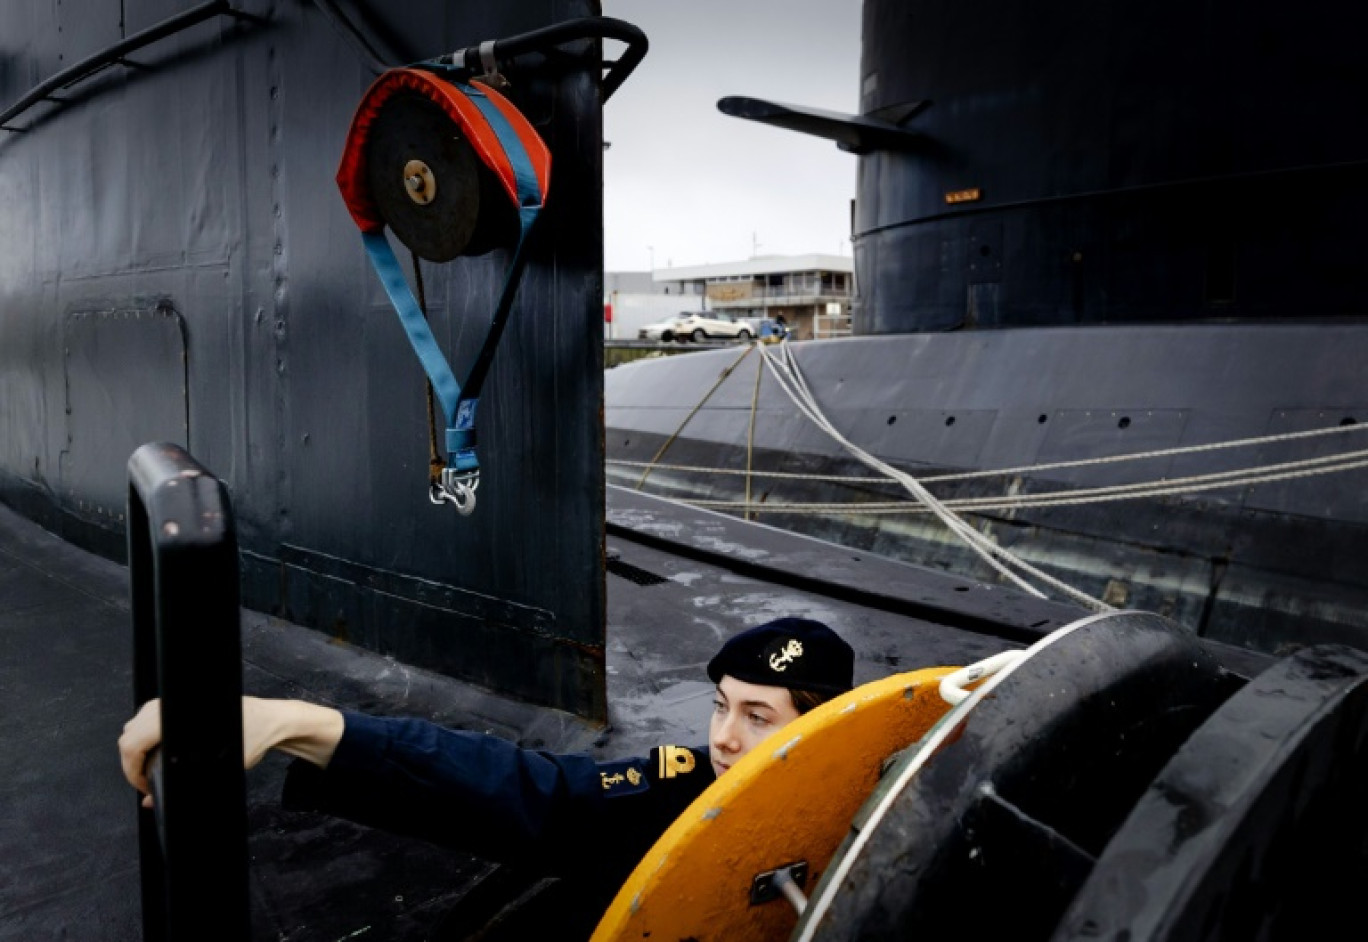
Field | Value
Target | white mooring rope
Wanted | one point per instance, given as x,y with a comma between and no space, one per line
785,370
790,379
1003,472
1264,474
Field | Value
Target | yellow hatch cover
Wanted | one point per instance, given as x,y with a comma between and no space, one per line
791,799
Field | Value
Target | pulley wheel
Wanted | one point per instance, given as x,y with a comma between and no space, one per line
1256,827
430,187
992,822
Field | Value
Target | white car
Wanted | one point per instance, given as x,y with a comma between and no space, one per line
663,331
712,325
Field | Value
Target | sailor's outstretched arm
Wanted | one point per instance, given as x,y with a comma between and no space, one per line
464,789
468,790
304,730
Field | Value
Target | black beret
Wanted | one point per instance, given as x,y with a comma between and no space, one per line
797,653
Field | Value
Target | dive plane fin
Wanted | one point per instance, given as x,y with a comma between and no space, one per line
853,133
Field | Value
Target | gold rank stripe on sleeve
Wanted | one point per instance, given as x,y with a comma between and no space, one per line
674,760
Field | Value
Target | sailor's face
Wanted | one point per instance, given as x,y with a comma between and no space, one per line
743,715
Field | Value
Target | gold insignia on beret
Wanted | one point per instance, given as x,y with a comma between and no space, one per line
780,660
675,760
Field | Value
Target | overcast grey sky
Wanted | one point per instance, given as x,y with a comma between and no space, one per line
687,185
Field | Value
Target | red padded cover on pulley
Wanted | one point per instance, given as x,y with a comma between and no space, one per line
351,175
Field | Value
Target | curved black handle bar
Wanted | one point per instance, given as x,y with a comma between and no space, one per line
116,53
541,40
548,37
187,650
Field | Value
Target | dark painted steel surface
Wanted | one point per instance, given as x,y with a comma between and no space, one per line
782,559
103,353
183,583
1150,163
1025,789
1254,828
197,188
115,55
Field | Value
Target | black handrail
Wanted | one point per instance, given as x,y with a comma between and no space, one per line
506,50
183,581
115,53
364,44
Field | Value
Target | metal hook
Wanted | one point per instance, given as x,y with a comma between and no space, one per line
492,76
464,499
456,488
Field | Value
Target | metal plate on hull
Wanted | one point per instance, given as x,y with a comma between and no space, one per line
1313,497
126,384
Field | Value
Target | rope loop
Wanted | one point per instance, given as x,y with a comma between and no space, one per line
954,686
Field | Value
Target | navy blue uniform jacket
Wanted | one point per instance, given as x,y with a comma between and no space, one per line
564,814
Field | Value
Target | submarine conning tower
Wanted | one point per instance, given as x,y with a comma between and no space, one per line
1085,162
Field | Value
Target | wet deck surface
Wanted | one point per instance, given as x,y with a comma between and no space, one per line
68,834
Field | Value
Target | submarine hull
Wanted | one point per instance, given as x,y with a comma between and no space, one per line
1259,564
1078,238
177,264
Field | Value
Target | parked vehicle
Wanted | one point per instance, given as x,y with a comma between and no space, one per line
662,330
713,325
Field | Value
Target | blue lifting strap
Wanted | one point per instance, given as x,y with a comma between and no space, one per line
459,404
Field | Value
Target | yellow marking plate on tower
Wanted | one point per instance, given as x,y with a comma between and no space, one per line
790,800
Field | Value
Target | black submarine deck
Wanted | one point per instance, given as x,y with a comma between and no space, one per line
679,581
